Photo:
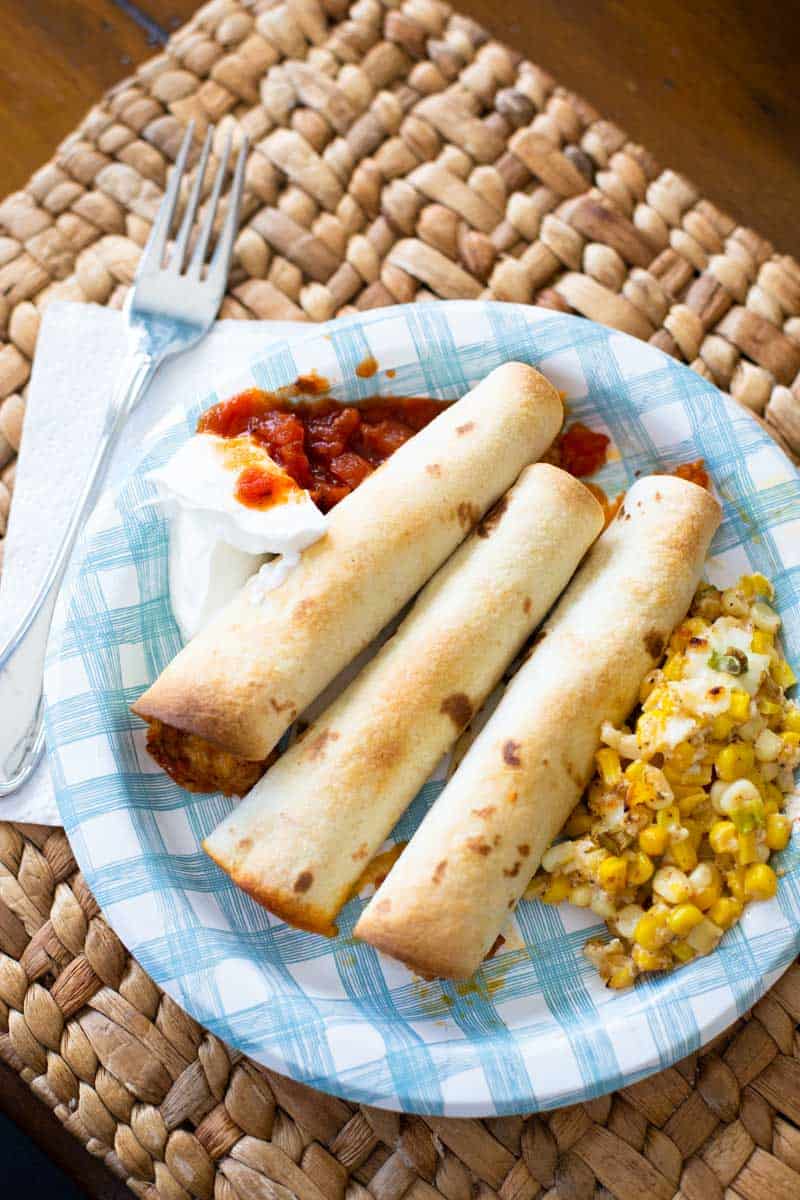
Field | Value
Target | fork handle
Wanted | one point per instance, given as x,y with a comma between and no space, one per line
22,655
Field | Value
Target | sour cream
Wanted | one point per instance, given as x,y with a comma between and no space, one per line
216,543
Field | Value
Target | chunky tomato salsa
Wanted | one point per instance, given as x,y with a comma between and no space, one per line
326,447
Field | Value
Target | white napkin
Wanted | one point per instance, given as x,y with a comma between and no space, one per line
78,353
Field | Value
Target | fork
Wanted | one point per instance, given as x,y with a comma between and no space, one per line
171,306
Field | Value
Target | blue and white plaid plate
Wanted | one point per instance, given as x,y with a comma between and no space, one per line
536,1029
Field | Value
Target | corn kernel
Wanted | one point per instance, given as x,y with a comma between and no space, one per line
765,617
721,727
735,881
779,830
672,884
608,764
669,817
682,756
640,868
733,762
673,668
791,720
651,931
782,673
746,849
760,882
790,738
684,855
768,708
558,890
740,705
581,895
726,911
768,746
579,823
682,951
621,977
704,937
773,795
723,837
756,585
613,873
687,804
684,918
653,839
706,885
695,832
762,642
646,960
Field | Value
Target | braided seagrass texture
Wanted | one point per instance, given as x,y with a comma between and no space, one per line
178,1114
399,154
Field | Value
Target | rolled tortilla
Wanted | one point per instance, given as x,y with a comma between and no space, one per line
449,895
243,680
302,837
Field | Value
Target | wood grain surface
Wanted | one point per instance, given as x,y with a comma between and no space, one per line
711,89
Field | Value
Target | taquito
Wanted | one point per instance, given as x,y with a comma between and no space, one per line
448,897
303,835
245,678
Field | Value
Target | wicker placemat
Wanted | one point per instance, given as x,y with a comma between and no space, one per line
399,155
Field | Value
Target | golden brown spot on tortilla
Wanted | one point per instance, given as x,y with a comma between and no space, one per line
367,368
496,840
510,872
492,518
391,372
512,797
484,812
458,708
654,643
467,514
511,753
439,871
479,846
434,469
658,496
383,905
527,604
280,706
316,749
496,944
524,849
511,902
361,853
303,882
469,425
244,844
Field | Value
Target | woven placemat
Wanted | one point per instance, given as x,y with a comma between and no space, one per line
399,155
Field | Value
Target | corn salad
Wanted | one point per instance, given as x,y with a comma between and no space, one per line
675,833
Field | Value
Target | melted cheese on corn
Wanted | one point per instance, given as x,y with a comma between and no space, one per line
676,830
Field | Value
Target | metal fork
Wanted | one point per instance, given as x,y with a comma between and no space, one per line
170,306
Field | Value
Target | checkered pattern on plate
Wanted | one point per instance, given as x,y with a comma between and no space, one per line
536,1029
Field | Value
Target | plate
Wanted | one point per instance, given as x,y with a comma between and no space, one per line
536,1028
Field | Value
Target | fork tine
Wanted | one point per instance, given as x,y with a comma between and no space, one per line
221,258
153,252
199,253
182,240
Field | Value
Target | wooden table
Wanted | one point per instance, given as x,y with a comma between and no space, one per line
711,93
710,89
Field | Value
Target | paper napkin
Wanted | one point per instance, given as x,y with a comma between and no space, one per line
78,355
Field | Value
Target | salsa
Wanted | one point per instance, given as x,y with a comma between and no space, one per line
583,451
325,447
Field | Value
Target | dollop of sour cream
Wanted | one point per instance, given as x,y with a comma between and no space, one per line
217,543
